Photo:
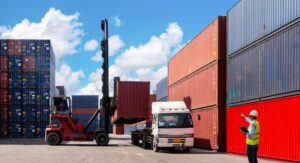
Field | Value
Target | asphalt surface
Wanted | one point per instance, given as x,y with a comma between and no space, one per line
119,151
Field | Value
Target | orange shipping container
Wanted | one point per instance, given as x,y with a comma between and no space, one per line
205,48
210,128
204,88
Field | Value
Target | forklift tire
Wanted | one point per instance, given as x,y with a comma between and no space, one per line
102,139
53,138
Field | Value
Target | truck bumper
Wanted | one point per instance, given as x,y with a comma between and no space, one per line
175,142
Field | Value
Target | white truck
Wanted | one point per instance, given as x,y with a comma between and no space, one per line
172,127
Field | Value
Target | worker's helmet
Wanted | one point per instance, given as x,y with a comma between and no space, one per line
253,113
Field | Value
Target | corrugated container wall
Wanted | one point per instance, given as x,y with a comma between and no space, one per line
205,48
205,88
210,128
250,20
269,68
279,128
132,101
197,76
27,85
162,90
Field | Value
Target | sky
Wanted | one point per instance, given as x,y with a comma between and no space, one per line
143,35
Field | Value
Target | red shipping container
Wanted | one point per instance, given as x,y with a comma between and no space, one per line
118,129
149,115
3,113
84,111
205,48
279,128
3,63
3,96
28,63
205,88
209,128
14,47
132,101
4,80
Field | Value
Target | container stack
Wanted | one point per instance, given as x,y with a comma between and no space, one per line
196,75
162,90
83,108
131,102
27,84
264,74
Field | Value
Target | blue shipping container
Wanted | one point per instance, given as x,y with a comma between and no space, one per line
162,89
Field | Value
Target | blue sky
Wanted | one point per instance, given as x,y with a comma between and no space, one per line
73,23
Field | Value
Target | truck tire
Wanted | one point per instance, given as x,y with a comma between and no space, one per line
134,140
155,147
53,138
186,149
145,144
102,139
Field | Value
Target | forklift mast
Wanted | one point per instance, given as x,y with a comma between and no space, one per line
105,101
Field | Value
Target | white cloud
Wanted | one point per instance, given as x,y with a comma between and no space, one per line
65,31
66,77
117,21
152,53
152,76
97,57
91,45
115,44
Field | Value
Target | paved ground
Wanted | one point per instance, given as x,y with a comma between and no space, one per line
118,151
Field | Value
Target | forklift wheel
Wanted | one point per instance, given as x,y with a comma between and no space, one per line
53,138
102,139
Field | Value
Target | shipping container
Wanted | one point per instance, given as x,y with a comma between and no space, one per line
118,129
279,128
28,63
250,20
61,91
128,129
271,67
27,86
132,101
207,47
3,47
84,110
210,128
162,90
3,63
85,101
205,88
149,111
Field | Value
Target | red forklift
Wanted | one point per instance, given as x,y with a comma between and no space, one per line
63,127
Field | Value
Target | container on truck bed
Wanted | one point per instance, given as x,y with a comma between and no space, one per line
172,127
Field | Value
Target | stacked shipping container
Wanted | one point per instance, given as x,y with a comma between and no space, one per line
83,108
263,73
162,90
196,75
27,84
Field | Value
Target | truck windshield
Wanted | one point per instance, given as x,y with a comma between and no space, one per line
175,120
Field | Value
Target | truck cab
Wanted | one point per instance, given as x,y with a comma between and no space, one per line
172,126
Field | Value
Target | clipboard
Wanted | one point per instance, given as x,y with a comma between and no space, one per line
244,129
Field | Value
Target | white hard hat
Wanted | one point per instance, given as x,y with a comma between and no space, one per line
253,113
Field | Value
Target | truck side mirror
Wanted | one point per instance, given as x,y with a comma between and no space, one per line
199,117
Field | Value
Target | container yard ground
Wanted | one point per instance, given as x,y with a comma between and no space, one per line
119,150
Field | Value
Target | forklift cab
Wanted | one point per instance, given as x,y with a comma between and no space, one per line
61,105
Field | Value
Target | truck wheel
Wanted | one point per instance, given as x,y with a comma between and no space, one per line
155,147
134,141
186,149
102,139
53,138
144,142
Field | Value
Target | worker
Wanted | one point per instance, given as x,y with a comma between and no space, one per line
252,136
